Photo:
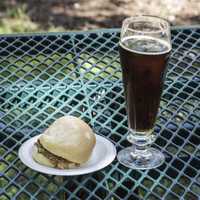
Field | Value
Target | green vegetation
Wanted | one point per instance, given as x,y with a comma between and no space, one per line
58,65
16,20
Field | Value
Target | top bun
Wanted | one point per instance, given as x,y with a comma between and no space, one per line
70,138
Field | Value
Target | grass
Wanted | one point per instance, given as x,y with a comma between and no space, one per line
16,20
58,65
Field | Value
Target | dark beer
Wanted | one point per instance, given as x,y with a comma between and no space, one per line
143,61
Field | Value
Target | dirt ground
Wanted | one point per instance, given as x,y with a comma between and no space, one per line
89,14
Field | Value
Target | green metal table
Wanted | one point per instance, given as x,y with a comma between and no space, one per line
45,76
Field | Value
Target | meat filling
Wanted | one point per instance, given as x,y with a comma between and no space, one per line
57,162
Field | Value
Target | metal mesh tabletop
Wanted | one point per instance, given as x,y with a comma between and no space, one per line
45,76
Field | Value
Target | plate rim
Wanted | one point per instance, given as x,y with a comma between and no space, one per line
71,172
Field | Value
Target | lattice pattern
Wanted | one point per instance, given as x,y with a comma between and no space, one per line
43,77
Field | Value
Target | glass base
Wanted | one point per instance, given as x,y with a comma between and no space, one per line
137,159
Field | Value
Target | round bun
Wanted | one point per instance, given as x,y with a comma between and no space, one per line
70,138
40,158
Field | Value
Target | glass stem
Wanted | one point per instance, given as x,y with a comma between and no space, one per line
142,150
140,146
140,154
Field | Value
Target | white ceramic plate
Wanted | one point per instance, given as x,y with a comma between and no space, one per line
103,154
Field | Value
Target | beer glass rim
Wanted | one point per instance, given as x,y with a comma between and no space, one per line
147,18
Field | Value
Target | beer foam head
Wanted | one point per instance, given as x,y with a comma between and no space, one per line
145,45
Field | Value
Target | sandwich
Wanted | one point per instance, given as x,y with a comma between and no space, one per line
66,144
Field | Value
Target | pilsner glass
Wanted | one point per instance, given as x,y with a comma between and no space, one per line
144,47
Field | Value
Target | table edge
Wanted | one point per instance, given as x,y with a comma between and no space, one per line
107,30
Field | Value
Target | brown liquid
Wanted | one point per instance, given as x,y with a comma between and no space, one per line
143,63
